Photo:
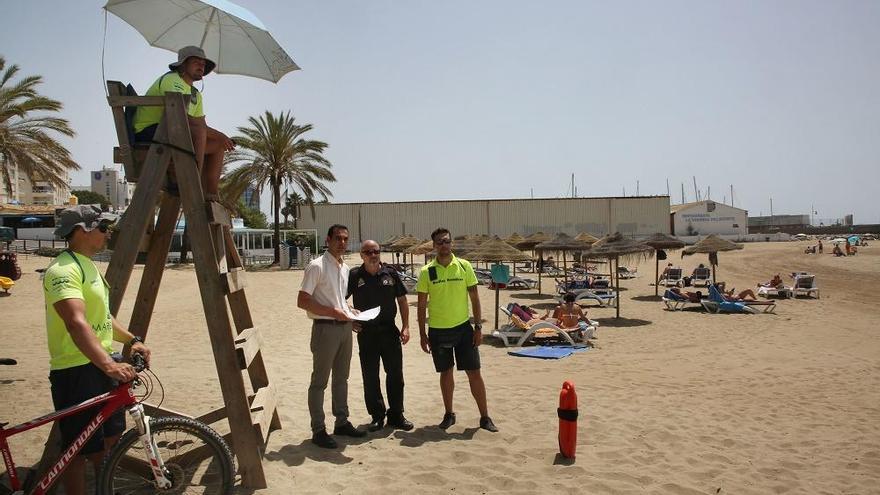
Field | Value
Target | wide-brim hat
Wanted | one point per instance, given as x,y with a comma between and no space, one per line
192,51
86,216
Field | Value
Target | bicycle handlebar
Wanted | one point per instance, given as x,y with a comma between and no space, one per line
138,362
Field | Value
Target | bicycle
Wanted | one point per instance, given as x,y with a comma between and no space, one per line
169,454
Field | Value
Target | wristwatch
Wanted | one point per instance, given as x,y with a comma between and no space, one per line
478,326
134,340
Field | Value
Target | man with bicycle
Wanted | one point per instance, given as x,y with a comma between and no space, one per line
81,332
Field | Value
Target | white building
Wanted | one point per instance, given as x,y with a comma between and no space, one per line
111,184
708,217
634,216
33,192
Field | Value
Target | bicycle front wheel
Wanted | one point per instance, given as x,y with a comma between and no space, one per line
196,458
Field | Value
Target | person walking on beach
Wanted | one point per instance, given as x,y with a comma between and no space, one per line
322,296
374,284
80,333
209,144
444,286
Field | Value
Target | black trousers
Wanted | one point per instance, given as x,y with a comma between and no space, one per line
377,343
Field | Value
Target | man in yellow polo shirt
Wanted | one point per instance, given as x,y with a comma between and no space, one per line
81,331
444,287
209,144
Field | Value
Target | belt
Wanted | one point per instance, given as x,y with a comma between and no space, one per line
330,322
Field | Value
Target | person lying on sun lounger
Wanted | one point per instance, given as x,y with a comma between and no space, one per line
694,297
775,282
746,295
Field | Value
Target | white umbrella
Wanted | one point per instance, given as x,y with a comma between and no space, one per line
230,35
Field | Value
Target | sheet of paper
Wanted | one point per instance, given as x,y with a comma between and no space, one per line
365,315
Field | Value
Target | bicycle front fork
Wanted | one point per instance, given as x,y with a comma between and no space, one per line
142,422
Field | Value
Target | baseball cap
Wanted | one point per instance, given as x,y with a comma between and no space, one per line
86,216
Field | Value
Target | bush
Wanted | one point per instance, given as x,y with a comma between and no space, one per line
49,251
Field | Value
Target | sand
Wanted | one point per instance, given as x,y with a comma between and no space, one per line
675,403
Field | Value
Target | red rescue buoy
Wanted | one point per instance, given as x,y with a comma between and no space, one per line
568,413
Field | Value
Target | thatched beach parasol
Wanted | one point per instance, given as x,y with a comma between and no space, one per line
462,247
586,237
532,240
613,247
563,243
497,251
514,239
660,241
402,244
711,244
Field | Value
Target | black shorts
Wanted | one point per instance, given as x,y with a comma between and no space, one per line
146,135
454,346
71,386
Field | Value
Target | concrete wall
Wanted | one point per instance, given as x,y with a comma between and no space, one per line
723,219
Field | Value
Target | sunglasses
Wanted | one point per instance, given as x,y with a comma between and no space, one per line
371,252
443,241
106,227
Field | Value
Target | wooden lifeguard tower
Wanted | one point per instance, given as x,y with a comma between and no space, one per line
251,411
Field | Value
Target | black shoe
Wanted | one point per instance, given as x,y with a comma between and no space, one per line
349,430
400,422
323,440
448,420
377,424
487,424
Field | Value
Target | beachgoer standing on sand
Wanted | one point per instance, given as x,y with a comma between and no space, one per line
444,286
322,295
81,331
374,284
209,144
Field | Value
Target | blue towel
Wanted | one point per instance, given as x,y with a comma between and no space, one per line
548,352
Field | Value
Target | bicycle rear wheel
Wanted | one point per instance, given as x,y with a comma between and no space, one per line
196,458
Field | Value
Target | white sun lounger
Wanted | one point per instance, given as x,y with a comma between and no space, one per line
513,335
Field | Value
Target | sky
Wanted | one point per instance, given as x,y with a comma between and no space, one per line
426,100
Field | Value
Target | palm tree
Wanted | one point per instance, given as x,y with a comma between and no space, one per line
292,202
274,153
26,141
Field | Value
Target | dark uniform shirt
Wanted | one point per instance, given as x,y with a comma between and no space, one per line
381,289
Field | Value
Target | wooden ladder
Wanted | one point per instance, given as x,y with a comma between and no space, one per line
236,344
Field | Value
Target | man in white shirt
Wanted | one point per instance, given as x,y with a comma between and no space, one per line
322,296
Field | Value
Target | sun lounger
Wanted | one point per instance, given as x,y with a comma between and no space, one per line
805,285
522,283
769,291
516,332
701,277
718,304
673,278
678,302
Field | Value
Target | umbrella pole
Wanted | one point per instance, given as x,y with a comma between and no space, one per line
656,274
496,306
713,273
616,265
540,269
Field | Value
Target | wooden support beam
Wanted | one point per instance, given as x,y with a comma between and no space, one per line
158,412
116,89
247,346
247,443
234,280
263,411
138,155
212,417
117,101
136,219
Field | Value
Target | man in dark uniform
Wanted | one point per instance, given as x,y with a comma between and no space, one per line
374,284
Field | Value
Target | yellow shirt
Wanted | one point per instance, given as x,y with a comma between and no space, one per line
169,83
446,287
74,276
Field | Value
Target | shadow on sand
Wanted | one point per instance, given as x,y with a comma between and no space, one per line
622,322
647,298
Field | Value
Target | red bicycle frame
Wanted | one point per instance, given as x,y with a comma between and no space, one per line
113,401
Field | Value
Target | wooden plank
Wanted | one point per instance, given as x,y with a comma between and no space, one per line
158,412
123,100
218,214
157,254
137,217
116,89
212,417
232,258
263,410
246,442
247,346
219,248
234,280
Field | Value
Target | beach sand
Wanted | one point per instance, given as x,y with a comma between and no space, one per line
670,403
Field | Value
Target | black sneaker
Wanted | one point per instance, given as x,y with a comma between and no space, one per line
323,440
448,420
377,424
487,424
349,430
400,422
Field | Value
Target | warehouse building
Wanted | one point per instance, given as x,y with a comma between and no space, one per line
631,216
708,217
